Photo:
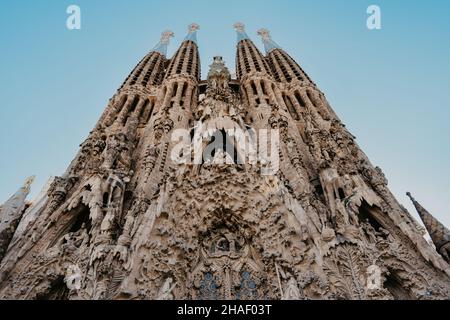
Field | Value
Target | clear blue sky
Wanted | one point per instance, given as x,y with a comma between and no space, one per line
391,87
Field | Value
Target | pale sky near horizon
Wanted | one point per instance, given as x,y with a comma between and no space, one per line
391,87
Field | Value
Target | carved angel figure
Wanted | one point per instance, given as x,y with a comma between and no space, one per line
291,292
165,293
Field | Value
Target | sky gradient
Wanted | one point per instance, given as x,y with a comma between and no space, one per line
391,87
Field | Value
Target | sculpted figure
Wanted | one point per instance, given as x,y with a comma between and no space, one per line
135,218
291,291
165,293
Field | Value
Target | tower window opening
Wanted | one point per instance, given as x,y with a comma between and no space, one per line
298,75
395,286
58,291
175,89
291,107
117,109
82,219
191,58
280,154
282,66
159,73
131,109
263,86
273,67
197,71
303,72
105,199
341,194
238,65
292,64
193,98
140,69
311,98
275,63
299,99
121,103
266,65
150,69
180,66
132,72
149,112
254,58
181,61
134,104
255,91
183,93
197,66
169,71
246,63
144,110
366,213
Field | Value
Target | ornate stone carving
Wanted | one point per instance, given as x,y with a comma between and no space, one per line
127,222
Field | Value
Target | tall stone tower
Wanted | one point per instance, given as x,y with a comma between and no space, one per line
247,188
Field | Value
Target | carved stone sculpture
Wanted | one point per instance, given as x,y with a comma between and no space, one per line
312,219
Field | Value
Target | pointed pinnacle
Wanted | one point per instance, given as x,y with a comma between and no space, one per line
192,34
166,35
269,44
239,27
264,33
193,27
162,45
438,232
28,182
240,30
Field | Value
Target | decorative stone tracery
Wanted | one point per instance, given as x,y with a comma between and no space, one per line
127,222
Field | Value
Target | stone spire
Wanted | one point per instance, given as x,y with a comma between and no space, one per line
269,44
249,58
187,59
135,218
438,232
192,34
149,71
161,47
11,213
240,30
284,67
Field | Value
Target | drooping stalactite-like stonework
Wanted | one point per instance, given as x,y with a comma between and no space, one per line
126,221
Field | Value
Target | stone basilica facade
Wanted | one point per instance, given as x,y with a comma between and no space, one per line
126,221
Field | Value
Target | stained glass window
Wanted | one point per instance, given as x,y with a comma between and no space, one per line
208,288
247,290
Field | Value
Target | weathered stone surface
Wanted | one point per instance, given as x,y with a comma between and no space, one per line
126,221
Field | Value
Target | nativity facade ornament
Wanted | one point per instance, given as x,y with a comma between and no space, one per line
127,221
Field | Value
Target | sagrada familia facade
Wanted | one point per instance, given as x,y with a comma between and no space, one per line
315,220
